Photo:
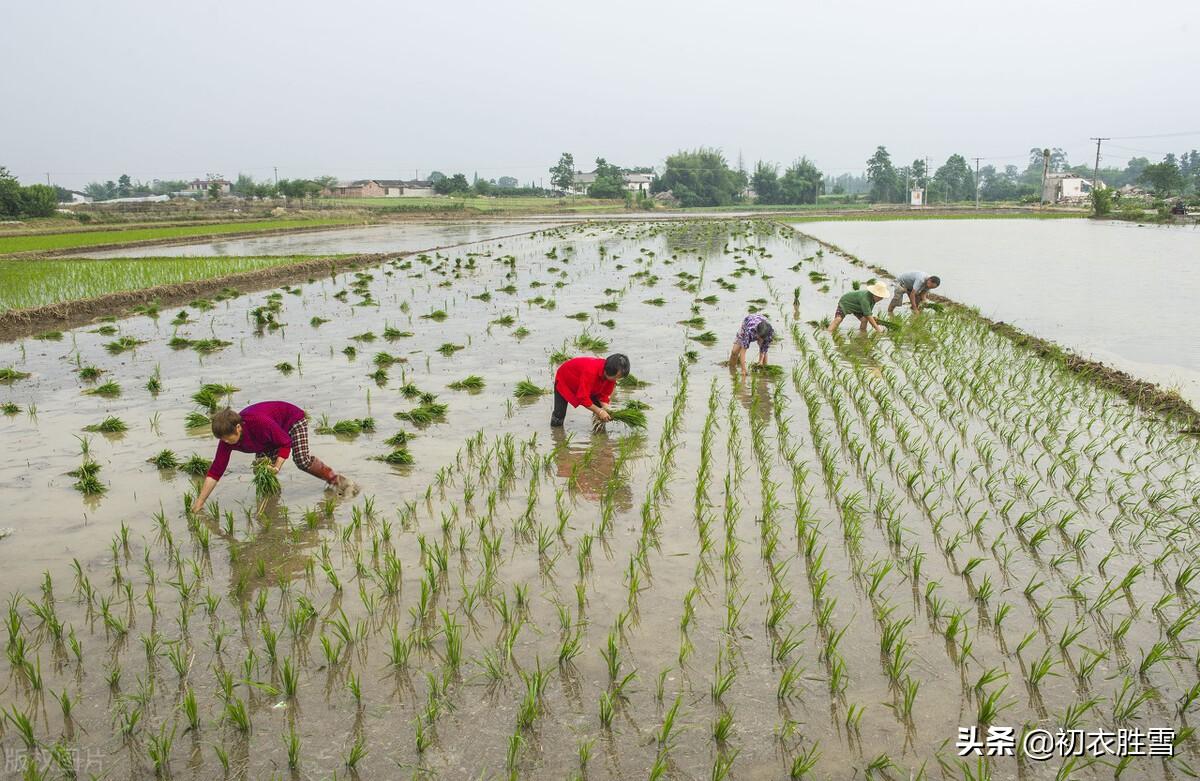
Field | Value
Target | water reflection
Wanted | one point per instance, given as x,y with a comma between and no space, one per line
596,468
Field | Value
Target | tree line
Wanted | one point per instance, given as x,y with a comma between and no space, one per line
17,200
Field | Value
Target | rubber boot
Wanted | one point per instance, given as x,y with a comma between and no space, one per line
318,468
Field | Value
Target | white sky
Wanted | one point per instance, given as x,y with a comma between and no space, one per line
89,90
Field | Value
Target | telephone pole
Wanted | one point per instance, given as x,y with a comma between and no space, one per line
977,159
928,181
47,177
1096,170
276,175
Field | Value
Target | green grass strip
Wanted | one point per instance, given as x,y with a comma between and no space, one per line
56,241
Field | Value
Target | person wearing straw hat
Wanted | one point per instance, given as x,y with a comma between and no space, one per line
913,285
861,304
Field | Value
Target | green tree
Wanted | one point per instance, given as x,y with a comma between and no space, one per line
124,186
882,176
436,176
10,194
452,185
700,177
765,182
483,187
506,182
214,191
954,180
1164,178
562,175
38,200
609,182
800,183
1102,201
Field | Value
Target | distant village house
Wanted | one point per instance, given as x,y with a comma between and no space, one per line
633,182
201,186
381,188
1067,188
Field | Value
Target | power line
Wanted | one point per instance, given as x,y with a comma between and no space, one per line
1158,135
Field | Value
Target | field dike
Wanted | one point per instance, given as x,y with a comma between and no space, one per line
1145,395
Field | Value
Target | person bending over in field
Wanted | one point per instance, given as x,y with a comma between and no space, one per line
861,304
270,429
754,328
589,383
913,285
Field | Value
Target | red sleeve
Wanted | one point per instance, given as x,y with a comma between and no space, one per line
220,461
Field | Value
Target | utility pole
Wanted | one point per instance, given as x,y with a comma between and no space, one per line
1045,171
1096,170
276,176
977,159
47,177
928,181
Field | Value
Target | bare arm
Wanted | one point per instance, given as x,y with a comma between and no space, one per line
871,321
205,490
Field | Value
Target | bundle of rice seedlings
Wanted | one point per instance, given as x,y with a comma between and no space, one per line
586,341
10,408
109,425
424,414
521,332
154,384
694,322
266,482
449,349
317,322
580,316
364,337
212,394
559,356
630,382
409,390
123,344
196,465
50,336
630,416
178,342
379,375
398,457
770,371
205,346
526,389
891,325
472,383
636,404
437,315
197,420
655,301
165,459
932,306
398,440
87,480
352,427
285,368
108,390
89,372
9,375
706,338
392,334
387,359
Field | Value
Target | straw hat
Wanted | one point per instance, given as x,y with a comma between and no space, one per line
880,290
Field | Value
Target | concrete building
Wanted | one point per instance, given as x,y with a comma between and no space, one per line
200,186
381,188
1067,188
633,182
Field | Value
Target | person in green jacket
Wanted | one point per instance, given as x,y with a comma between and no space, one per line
861,304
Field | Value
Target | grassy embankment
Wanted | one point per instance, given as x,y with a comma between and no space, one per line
49,242
478,205
32,283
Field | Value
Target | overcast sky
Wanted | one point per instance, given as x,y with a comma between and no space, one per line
172,90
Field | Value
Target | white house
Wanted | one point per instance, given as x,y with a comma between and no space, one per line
78,197
200,186
633,182
1067,188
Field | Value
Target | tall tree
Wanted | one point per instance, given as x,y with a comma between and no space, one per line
700,177
765,182
609,182
1164,178
124,186
882,177
801,182
954,180
562,175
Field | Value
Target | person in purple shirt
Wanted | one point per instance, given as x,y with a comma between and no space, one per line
754,328
270,429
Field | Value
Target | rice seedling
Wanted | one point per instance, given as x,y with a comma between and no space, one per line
123,344
266,480
471,383
448,348
631,415
398,457
432,412
708,338
526,389
110,425
347,428
165,459
593,344
9,375
10,408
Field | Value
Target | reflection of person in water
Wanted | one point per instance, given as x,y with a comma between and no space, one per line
756,398
592,467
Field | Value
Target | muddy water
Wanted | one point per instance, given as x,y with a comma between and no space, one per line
752,534
398,237
1114,291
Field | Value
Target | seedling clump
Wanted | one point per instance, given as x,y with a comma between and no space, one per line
110,425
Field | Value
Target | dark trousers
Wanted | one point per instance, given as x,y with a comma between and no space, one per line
560,408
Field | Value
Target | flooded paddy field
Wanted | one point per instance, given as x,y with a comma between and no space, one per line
1107,290
823,573
393,237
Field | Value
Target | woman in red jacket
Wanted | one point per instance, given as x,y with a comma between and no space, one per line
587,382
